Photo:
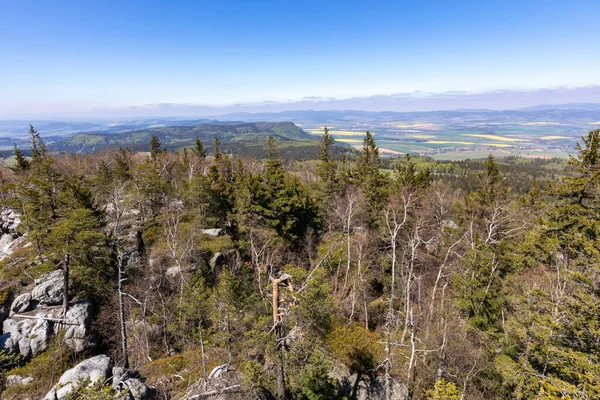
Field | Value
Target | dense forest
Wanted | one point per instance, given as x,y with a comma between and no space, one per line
350,276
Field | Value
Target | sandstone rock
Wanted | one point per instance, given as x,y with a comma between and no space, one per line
124,379
49,289
29,337
216,261
21,304
9,220
172,272
31,334
367,387
136,389
4,312
79,335
95,369
8,242
450,224
213,232
14,380
217,371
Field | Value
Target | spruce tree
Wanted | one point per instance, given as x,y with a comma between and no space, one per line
155,146
38,147
22,162
199,149
217,149
327,166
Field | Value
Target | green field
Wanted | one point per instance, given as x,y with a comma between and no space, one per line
531,139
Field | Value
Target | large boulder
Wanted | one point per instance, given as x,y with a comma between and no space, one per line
9,220
9,237
49,289
131,383
17,380
79,335
21,304
30,333
366,386
95,369
213,232
29,337
98,369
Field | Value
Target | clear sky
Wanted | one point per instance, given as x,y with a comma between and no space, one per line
69,55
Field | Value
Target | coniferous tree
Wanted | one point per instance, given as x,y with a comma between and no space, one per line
155,146
217,148
370,179
38,147
553,333
199,149
22,162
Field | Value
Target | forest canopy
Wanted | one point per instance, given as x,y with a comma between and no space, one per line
319,279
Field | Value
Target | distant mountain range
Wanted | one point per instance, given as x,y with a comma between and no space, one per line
247,138
246,133
569,106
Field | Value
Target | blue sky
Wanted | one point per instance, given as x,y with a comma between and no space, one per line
74,55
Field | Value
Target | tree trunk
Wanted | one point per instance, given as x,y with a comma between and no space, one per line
278,329
66,270
202,352
122,314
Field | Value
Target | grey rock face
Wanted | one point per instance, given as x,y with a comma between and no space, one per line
124,379
21,304
9,220
367,388
213,232
136,389
14,380
98,369
216,261
95,369
79,335
29,337
172,272
49,290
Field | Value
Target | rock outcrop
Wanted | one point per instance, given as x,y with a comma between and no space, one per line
213,232
95,369
49,289
18,380
29,337
98,369
131,383
30,333
9,237
366,386
21,303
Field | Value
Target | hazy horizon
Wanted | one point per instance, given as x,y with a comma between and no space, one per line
403,102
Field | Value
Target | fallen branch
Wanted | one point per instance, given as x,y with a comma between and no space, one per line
57,320
213,392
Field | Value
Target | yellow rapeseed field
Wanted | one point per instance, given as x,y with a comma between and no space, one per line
493,137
